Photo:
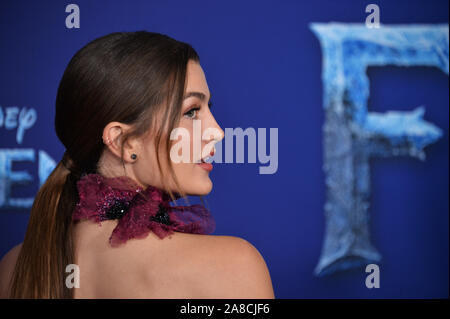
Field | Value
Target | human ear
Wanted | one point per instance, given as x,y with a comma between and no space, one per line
113,137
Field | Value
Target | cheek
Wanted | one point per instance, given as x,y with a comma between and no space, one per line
184,170
191,143
189,126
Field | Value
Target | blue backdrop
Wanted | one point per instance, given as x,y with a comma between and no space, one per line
263,64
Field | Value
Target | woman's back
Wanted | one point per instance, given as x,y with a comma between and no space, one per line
179,266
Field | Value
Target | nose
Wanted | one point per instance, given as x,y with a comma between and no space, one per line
212,124
215,132
220,134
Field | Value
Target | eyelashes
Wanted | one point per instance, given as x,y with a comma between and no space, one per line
192,113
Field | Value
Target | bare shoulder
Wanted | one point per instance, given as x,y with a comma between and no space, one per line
231,267
192,266
7,264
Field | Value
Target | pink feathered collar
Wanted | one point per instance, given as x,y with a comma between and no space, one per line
139,211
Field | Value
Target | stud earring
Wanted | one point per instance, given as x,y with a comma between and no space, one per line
133,156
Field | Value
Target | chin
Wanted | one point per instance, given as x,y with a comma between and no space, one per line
201,188
208,188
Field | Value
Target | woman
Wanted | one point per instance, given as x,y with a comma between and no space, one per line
118,103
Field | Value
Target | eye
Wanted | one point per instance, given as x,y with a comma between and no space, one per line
192,113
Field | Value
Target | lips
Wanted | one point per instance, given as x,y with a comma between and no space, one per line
205,166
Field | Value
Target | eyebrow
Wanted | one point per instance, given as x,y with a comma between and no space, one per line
199,95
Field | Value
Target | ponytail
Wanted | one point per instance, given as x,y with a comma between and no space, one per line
48,245
126,77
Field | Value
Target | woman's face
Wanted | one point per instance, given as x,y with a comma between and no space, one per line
192,141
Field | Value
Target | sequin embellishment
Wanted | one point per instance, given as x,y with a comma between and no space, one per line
138,211
161,216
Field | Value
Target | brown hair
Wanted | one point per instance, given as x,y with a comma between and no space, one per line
125,77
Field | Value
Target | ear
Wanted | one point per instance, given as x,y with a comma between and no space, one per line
113,134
